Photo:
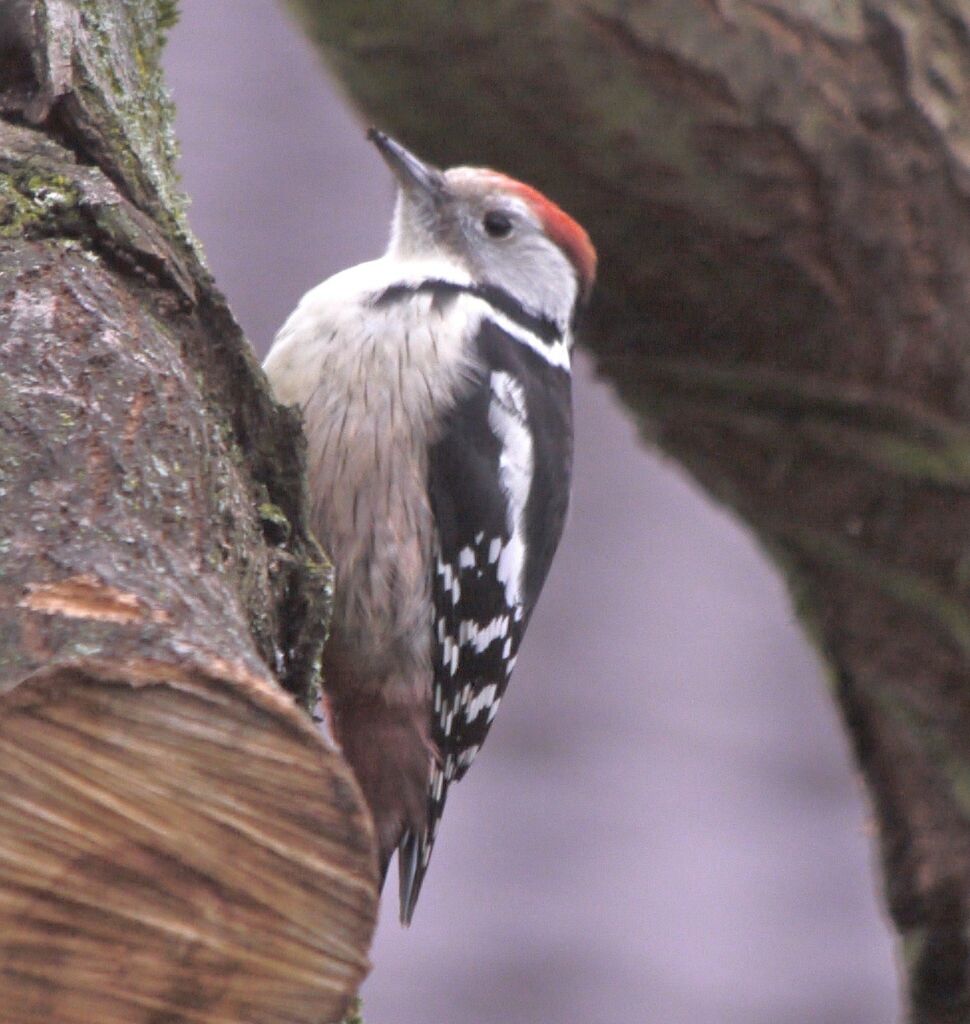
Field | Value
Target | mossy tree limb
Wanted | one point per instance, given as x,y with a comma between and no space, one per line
178,840
780,192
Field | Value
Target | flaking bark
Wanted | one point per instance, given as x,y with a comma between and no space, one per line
176,839
780,193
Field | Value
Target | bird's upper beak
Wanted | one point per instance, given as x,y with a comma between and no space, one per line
412,173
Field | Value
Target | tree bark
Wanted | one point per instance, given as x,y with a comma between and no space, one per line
780,193
177,840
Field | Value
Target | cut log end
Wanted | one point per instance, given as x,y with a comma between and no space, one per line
182,850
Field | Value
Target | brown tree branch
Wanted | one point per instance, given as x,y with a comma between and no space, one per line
178,840
780,192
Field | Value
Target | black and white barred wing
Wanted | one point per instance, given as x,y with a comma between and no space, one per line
499,487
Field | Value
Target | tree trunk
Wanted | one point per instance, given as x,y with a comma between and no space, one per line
177,840
780,192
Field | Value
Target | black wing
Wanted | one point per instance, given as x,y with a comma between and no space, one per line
499,486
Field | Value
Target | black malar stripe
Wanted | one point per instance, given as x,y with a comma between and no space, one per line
546,330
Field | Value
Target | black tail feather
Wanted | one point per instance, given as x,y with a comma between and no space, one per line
411,870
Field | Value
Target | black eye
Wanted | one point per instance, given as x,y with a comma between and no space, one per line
497,224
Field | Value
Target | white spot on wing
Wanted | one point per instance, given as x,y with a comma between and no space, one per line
466,757
449,580
510,566
508,419
480,637
466,558
484,700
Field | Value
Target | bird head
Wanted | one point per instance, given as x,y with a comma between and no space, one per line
500,231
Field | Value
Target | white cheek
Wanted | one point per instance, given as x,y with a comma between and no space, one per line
535,271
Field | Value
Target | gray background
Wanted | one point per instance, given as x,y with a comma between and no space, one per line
665,825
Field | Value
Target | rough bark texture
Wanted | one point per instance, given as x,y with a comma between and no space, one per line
780,192
177,841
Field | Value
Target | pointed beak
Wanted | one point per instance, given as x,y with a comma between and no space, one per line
412,174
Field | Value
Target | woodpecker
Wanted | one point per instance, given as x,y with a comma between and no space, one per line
434,384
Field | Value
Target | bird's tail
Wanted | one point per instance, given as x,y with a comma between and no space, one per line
410,873
414,849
